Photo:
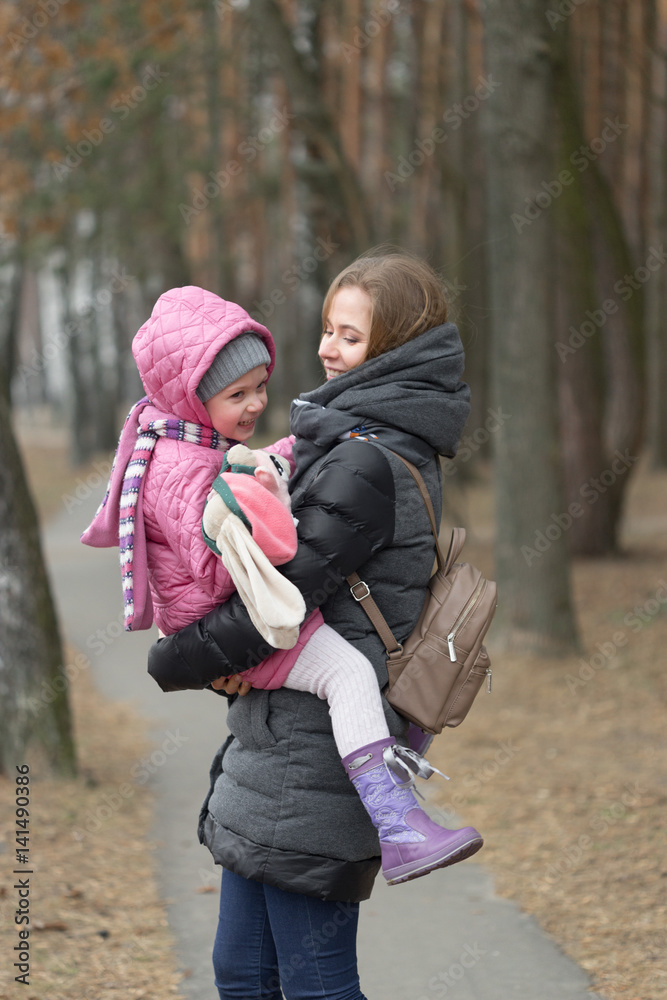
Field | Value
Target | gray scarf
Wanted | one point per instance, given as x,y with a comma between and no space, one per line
410,399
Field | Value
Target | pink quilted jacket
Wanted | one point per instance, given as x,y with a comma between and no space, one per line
175,571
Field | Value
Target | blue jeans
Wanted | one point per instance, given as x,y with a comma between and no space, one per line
272,943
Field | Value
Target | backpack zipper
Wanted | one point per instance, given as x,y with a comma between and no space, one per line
463,617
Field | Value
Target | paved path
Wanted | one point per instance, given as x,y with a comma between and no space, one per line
446,935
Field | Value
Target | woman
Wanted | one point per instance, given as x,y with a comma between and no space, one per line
281,817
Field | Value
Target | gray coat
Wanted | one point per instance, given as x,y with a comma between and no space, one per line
281,808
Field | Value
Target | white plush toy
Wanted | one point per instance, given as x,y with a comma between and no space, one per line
248,522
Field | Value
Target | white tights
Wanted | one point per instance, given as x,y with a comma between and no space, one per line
335,671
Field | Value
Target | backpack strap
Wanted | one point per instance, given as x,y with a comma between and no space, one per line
455,546
362,594
426,497
361,591
458,538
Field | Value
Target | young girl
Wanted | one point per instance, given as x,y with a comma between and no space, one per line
204,364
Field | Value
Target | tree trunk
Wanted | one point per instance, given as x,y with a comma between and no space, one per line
104,384
467,280
81,418
34,708
428,27
605,215
222,280
10,325
338,208
580,359
532,560
657,287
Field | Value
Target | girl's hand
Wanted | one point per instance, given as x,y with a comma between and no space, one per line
232,685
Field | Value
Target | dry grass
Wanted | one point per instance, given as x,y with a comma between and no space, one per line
98,926
563,767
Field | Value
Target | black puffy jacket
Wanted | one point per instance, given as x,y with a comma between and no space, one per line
281,808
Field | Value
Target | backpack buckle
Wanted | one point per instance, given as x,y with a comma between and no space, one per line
360,583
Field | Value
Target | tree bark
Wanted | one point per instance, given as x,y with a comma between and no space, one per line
10,326
81,417
337,197
580,364
34,708
657,287
468,281
532,560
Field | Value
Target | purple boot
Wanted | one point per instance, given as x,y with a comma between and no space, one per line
412,844
418,740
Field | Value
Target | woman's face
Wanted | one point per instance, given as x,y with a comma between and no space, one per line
347,331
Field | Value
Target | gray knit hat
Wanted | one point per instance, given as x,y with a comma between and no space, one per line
235,359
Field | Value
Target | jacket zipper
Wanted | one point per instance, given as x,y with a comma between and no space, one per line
463,617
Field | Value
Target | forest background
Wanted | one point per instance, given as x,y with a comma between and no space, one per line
254,147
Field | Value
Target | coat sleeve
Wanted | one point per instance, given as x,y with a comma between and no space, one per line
345,516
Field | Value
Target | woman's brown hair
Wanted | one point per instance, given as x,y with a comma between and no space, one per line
407,296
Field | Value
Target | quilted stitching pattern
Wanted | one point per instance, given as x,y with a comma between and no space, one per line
174,348
186,578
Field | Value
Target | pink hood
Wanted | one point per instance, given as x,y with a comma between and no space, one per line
173,350
177,345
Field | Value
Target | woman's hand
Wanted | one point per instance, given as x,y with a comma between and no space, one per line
232,685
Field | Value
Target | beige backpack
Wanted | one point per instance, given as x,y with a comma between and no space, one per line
436,673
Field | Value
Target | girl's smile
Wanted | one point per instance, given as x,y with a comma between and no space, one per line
235,409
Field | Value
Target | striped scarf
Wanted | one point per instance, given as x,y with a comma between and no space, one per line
148,433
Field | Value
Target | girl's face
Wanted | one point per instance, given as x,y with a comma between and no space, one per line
347,331
234,410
